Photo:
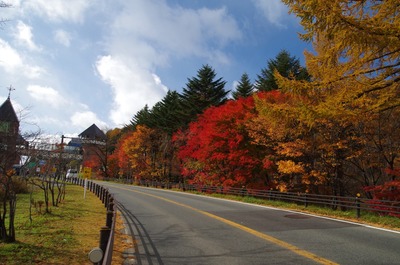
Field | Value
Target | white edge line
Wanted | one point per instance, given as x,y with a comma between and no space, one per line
284,210
276,209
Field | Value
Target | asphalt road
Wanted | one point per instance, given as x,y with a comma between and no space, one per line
179,228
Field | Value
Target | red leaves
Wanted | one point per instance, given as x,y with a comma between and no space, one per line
267,163
385,197
393,172
217,146
119,161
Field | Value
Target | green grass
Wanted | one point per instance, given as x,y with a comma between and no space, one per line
64,236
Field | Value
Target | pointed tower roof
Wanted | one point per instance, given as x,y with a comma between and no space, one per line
7,112
93,132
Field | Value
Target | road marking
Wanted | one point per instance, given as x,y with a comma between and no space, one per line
271,239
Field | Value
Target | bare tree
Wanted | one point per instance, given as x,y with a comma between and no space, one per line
10,183
4,5
48,163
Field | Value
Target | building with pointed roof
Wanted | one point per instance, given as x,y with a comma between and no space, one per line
93,133
9,135
7,112
93,142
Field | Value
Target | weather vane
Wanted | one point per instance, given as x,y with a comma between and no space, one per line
9,90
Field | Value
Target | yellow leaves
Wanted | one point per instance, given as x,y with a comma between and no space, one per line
291,149
314,178
114,133
138,142
355,65
342,144
289,167
282,187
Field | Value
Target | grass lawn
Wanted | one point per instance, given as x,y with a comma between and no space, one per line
64,236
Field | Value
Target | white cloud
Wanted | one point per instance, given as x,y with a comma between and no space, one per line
59,10
145,35
159,31
46,95
43,121
132,85
158,82
14,3
218,25
13,63
10,59
274,11
24,36
235,84
62,37
33,72
84,119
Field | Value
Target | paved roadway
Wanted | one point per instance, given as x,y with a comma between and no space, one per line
178,228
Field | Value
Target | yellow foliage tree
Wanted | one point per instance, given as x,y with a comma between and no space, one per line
356,66
355,71
291,144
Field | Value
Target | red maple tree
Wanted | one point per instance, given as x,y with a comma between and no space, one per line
218,149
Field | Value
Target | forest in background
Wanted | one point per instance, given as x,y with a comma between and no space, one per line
330,127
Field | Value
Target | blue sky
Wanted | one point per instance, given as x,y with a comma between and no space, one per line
78,62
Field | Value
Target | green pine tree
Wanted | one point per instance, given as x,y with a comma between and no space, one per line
142,117
244,89
165,114
286,65
202,92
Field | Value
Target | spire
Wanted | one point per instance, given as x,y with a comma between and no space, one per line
9,91
7,112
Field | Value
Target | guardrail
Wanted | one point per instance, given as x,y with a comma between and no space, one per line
106,243
357,203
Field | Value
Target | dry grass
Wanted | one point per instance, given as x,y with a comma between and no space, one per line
64,236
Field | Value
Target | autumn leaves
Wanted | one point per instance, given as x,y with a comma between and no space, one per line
331,129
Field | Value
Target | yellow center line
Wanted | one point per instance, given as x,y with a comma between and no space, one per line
271,239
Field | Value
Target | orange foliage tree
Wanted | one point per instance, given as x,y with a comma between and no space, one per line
139,147
120,165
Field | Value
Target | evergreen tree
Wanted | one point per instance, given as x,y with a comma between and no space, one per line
244,89
165,113
286,65
142,117
202,92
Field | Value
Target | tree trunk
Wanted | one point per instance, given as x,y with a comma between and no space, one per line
11,225
7,234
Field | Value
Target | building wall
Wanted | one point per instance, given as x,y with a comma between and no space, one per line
8,143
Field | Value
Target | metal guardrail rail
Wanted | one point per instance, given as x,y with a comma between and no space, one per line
106,243
344,203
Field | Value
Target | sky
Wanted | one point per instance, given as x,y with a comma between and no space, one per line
78,62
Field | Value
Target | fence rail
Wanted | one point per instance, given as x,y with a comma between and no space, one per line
344,203
106,243
360,205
